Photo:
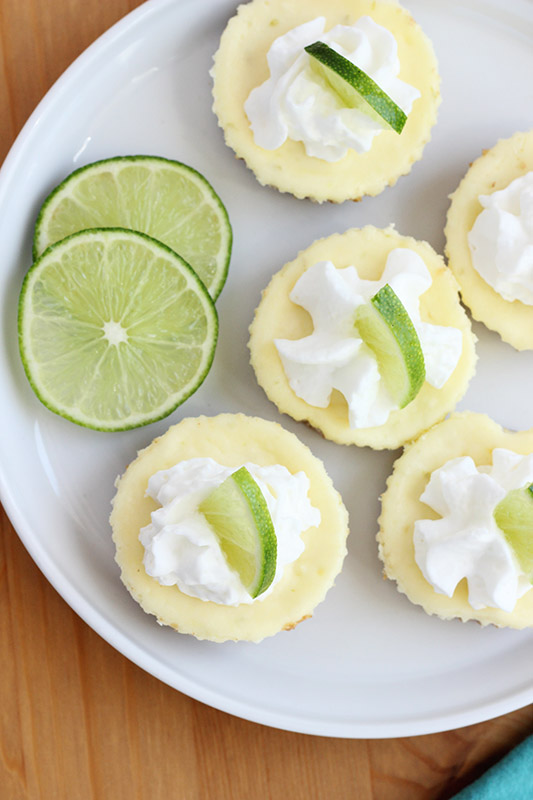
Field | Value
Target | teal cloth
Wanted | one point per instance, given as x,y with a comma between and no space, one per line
509,779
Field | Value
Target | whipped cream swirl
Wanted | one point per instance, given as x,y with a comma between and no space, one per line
466,542
501,240
335,357
180,546
296,103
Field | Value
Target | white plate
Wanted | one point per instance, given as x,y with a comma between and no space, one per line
369,664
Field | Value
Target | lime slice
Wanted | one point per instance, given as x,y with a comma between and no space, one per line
115,329
355,88
238,513
514,516
386,328
164,199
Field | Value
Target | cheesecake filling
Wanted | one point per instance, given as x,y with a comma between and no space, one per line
295,103
466,543
501,240
181,548
334,357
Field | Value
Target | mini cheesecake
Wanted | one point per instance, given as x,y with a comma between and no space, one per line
278,318
495,169
466,434
231,440
240,65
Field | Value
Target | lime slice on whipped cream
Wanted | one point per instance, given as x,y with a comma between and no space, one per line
238,514
386,328
115,329
514,516
165,199
354,87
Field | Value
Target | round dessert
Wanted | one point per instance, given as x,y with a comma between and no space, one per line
231,440
494,171
440,315
383,36
462,435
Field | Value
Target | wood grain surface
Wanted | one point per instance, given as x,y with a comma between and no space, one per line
77,720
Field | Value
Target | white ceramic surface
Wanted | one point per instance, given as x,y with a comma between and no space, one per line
369,664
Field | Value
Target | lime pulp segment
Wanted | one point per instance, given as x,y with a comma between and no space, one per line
386,328
115,329
165,199
355,88
514,516
238,513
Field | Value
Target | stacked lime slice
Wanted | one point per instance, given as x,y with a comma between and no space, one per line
165,199
386,328
115,329
238,514
117,324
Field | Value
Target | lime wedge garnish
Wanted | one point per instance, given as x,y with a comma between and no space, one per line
165,199
355,88
115,329
514,516
386,328
238,513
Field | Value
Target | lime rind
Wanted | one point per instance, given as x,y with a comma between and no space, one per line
259,510
191,283
238,514
514,517
354,87
387,329
213,276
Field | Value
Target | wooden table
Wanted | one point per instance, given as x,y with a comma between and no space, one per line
77,720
